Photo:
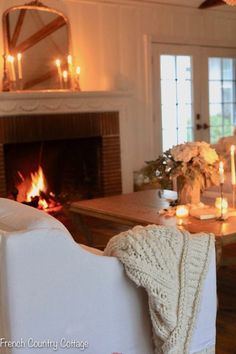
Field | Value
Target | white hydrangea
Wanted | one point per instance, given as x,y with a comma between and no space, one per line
188,151
208,154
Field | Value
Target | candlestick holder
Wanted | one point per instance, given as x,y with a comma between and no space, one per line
20,84
77,84
223,205
221,217
13,86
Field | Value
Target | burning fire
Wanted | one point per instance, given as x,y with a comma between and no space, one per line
38,185
33,191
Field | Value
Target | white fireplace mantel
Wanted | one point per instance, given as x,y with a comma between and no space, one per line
50,102
39,102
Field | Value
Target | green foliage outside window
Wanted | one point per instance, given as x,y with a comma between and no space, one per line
220,127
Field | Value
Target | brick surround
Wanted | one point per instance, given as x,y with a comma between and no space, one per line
44,127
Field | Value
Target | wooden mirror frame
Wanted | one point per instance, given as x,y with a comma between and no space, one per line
45,31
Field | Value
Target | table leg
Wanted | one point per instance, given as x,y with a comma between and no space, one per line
83,228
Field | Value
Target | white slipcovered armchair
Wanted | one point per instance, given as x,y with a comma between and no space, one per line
58,297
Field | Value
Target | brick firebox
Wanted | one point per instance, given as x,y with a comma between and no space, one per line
45,127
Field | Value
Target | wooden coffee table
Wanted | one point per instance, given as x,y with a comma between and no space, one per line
141,208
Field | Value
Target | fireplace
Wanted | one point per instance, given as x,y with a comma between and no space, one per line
79,152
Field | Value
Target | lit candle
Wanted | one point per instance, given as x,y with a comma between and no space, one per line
221,171
19,65
58,64
65,76
70,64
182,211
11,61
232,152
77,71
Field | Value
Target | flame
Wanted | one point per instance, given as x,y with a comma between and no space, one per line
38,184
43,204
34,190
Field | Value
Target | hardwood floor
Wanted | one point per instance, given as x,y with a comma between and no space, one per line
226,284
226,316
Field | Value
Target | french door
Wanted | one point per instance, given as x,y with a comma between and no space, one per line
193,94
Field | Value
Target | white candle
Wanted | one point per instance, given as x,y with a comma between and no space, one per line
232,152
77,71
70,64
58,64
221,171
11,61
65,76
19,65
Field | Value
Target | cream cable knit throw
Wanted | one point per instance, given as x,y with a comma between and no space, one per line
171,265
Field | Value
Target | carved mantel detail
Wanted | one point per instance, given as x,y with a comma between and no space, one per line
13,103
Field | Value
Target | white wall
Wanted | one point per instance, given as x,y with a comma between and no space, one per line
108,42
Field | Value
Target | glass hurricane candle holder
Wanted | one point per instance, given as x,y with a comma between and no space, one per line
221,205
182,211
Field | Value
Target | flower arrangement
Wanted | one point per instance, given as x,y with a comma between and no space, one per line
195,162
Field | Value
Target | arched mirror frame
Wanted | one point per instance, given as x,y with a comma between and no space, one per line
33,5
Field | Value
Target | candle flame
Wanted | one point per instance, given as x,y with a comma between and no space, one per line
78,70
65,74
182,211
69,59
10,59
58,62
19,56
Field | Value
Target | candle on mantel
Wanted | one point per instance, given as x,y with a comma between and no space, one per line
77,71
182,211
58,64
11,61
221,171
65,76
19,66
232,152
70,64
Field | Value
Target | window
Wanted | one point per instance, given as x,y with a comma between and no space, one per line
221,97
194,94
176,100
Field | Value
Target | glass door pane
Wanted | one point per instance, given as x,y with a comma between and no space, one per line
222,101
176,99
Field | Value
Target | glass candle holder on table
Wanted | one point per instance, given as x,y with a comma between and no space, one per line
182,212
221,205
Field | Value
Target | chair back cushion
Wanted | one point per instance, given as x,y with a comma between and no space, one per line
56,292
17,216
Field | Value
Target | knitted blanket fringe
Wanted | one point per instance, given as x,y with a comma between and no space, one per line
171,265
210,350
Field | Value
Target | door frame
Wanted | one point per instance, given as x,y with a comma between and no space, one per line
200,55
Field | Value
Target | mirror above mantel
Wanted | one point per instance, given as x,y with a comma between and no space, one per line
37,49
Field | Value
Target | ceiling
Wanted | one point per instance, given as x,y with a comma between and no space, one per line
188,3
